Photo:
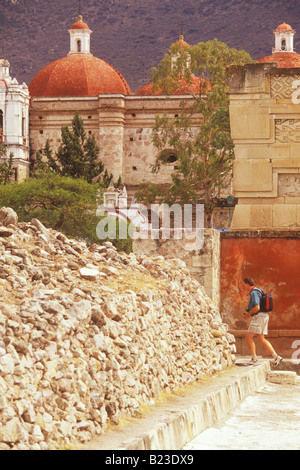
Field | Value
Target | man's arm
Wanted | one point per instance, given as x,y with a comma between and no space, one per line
254,310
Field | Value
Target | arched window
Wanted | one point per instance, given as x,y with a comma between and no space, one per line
168,156
78,45
1,125
283,45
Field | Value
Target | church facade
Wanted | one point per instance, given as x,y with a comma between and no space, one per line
122,125
121,121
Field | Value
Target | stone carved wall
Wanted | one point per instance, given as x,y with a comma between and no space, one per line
287,130
282,86
289,185
265,127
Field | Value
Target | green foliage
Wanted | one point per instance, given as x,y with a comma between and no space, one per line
199,135
60,202
210,60
6,166
77,156
64,190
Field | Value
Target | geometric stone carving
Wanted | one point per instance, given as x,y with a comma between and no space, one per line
281,86
287,130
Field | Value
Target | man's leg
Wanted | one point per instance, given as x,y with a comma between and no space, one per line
251,345
267,345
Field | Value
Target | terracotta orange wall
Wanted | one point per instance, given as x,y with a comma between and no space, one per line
274,264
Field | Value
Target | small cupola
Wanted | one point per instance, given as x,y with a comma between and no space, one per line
181,44
284,38
80,35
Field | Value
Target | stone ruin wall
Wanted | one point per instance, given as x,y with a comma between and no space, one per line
88,335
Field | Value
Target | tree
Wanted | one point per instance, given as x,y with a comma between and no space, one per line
77,156
66,204
199,136
6,166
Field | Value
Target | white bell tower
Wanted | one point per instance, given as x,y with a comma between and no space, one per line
14,120
80,37
284,38
175,56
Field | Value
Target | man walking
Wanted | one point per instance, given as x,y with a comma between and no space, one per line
259,323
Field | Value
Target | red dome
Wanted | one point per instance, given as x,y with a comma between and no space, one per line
78,75
182,89
181,42
283,59
148,90
284,27
80,24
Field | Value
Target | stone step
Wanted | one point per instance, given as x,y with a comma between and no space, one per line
283,377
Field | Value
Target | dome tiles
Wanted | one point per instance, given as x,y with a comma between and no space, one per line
284,27
183,88
283,59
78,75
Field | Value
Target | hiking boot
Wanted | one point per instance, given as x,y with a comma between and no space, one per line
253,362
277,361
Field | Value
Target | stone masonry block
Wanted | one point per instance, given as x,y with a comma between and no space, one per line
284,215
282,377
241,217
249,122
261,216
253,175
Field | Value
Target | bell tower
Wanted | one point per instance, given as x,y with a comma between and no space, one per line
181,43
14,120
80,35
284,38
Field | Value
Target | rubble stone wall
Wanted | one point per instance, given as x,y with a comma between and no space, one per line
88,335
203,263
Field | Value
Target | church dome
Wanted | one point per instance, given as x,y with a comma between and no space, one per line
196,86
183,88
80,24
78,75
181,42
283,59
284,27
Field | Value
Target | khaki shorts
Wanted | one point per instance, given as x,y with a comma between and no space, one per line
259,324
